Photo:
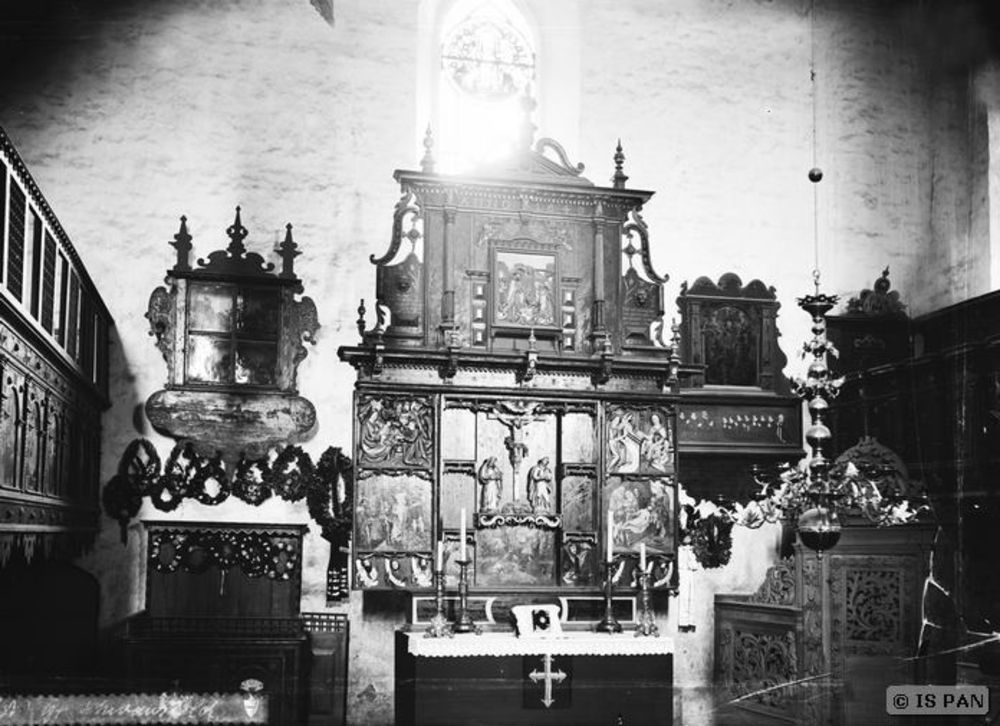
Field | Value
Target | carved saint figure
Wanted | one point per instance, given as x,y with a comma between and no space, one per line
621,443
540,486
655,447
491,481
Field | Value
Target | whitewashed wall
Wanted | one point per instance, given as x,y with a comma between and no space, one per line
134,113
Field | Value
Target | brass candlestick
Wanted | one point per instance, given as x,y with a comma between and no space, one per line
608,624
439,627
646,626
463,623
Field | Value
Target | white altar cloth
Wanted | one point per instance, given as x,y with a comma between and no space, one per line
506,644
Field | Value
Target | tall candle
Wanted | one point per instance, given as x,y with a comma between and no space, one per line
642,557
462,538
440,550
611,529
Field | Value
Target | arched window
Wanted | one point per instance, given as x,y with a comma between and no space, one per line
488,65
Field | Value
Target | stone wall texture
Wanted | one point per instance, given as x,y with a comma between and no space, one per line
130,114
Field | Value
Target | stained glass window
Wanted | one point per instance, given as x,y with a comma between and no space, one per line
487,57
488,64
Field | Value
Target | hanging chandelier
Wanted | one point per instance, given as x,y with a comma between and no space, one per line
818,493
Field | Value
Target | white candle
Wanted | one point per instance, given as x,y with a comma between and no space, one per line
611,529
462,538
642,557
440,551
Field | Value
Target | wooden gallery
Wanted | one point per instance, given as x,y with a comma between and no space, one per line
702,432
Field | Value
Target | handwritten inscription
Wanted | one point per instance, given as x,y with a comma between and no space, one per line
138,708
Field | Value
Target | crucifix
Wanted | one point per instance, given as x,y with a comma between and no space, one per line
516,415
549,676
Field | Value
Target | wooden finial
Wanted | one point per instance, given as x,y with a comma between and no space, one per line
619,178
237,233
182,243
427,163
288,251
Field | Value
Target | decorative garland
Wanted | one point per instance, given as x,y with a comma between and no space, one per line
291,475
328,488
255,553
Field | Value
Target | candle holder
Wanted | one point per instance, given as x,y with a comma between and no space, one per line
608,623
439,627
646,625
463,623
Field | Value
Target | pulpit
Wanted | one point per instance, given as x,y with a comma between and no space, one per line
499,678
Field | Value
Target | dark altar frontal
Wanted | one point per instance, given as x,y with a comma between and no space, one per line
498,678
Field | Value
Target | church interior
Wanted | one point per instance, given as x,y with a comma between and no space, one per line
499,361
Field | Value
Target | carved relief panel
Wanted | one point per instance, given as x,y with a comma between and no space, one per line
729,331
531,480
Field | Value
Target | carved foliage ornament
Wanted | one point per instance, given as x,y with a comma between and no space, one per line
761,661
873,605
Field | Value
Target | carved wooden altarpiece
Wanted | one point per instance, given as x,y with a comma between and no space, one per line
515,373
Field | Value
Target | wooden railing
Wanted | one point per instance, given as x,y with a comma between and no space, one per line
53,373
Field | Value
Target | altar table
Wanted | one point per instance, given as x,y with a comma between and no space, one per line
496,679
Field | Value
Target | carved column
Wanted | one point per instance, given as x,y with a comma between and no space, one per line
597,322
448,276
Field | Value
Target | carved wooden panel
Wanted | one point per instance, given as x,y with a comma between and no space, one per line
394,432
640,441
729,332
874,605
758,649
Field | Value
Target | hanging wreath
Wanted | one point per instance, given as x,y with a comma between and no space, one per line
196,555
250,481
212,469
180,470
712,540
253,553
163,497
224,549
282,560
291,474
330,508
121,500
141,465
175,543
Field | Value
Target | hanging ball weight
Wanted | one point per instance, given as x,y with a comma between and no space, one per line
815,174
